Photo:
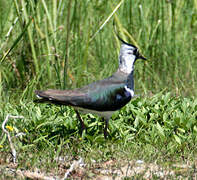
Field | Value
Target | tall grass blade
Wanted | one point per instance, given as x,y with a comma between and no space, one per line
30,36
67,44
106,21
16,41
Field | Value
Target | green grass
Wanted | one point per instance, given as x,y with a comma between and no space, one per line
59,44
161,129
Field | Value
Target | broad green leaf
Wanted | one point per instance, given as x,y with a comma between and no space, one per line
178,140
160,129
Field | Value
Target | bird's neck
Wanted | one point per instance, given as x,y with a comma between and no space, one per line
130,80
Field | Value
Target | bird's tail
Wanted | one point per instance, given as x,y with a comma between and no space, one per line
51,96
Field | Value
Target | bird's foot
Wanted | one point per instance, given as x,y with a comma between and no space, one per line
105,128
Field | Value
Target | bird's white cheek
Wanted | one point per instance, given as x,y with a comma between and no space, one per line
129,63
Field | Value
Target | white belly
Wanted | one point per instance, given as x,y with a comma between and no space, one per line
105,114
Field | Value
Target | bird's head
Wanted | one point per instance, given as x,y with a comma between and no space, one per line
128,55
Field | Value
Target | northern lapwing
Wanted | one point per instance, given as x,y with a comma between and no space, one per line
102,97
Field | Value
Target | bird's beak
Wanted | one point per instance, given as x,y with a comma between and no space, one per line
141,57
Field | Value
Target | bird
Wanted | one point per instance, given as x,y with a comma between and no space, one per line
103,97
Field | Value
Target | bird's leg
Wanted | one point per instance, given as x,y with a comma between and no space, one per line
81,121
106,127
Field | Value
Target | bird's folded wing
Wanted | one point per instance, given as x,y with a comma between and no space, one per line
96,96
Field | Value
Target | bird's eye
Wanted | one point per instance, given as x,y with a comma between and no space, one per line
136,52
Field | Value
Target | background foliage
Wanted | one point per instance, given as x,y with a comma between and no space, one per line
55,49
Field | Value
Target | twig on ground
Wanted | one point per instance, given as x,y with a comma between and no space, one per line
74,165
19,134
8,134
